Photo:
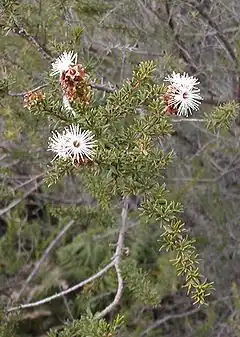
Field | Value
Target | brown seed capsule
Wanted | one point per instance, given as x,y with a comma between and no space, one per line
31,98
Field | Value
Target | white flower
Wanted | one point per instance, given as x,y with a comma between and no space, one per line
63,62
79,144
183,80
72,143
184,101
183,95
67,105
57,144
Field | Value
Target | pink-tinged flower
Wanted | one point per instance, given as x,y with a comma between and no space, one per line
75,84
182,96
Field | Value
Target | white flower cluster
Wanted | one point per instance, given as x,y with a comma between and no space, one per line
181,98
183,95
72,143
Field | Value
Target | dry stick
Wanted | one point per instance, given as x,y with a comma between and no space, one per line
97,86
20,94
22,32
166,318
117,260
188,120
67,307
101,87
65,292
14,203
29,181
219,34
226,44
43,258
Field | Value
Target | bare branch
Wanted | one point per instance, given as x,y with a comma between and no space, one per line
29,181
14,203
219,34
201,120
117,260
167,318
65,292
227,46
101,87
43,258
182,50
97,86
22,32
25,92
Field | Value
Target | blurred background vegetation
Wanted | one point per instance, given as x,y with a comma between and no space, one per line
110,37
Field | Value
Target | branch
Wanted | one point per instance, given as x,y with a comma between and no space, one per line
219,34
65,292
227,46
26,92
97,86
177,120
101,87
105,88
117,260
182,50
14,203
167,318
29,181
43,258
22,32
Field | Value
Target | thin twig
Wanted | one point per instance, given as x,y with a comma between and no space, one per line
67,307
65,292
101,87
188,120
167,318
14,203
43,258
117,260
29,181
55,200
97,86
182,49
26,92
219,34
23,32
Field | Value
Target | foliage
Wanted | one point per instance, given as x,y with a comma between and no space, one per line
8,324
132,159
88,327
138,282
222,116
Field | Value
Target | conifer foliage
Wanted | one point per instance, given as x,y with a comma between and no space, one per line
114,146
126,159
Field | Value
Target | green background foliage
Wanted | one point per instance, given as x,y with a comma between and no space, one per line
186,179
